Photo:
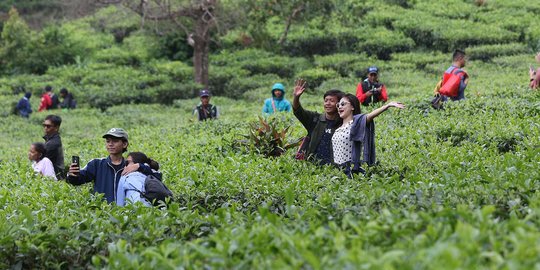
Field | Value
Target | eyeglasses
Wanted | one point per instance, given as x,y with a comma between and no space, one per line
47,126
341,104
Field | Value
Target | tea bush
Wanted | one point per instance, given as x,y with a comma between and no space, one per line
486,52
383,42
344,64
314,77
453,188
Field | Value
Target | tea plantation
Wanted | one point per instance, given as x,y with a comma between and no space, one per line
453,189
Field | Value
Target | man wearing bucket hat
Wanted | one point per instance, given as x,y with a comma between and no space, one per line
205,110
106,172
277,103
371,90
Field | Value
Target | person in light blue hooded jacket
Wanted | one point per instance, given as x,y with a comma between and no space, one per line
277,103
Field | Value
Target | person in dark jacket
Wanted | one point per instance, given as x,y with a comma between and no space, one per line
106,172
205,110
53,143
68,101
320,127
23,106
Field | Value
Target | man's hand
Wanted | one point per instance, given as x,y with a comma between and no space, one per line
299,87
74,169
130,168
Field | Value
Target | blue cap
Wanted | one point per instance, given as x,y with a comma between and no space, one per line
373,69
278,86
204,93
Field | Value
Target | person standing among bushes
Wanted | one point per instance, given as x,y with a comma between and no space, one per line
277,103
23,106
106,172
371,90
205,110
320,127
40,163
49,100
46,101
53,143
68,102
357,131
455,79
534,75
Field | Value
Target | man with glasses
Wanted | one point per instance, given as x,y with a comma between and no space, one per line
53,144
371,90
320,127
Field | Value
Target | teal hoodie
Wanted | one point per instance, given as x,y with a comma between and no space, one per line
273,104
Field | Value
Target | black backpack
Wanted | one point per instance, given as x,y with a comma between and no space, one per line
155,191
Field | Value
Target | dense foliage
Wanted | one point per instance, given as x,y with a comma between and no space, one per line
454,189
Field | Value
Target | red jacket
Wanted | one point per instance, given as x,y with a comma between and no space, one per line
46,102
365,86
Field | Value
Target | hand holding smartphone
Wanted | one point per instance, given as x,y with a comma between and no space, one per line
75,165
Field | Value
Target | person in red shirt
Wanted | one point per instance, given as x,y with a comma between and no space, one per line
46,100
371,90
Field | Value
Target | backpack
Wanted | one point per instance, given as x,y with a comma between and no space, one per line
155,190
451,82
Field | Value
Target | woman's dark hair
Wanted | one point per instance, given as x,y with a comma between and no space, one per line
139,157
40,148
354,102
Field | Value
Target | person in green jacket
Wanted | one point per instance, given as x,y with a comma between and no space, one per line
320,127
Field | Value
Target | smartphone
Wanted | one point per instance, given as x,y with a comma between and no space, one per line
76,160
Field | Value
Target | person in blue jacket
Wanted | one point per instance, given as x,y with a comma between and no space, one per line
277,103
106,172
23,107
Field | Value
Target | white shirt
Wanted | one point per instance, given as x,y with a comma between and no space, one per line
44,167
341,144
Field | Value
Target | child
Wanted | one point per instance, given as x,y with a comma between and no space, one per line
40,163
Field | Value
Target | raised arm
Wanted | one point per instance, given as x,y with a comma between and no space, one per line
299,88
385,107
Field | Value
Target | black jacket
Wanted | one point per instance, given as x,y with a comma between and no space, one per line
55,152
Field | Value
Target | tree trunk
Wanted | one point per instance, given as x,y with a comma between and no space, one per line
201,48
200,59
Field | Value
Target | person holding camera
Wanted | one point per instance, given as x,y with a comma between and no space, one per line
371,90
106,172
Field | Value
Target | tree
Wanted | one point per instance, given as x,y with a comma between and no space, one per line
290,11
196,18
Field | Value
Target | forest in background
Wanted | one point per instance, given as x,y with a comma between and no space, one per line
251,44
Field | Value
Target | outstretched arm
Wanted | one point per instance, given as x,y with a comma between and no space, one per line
299,88
380,110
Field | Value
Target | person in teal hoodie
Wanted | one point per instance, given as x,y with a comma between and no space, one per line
277,103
